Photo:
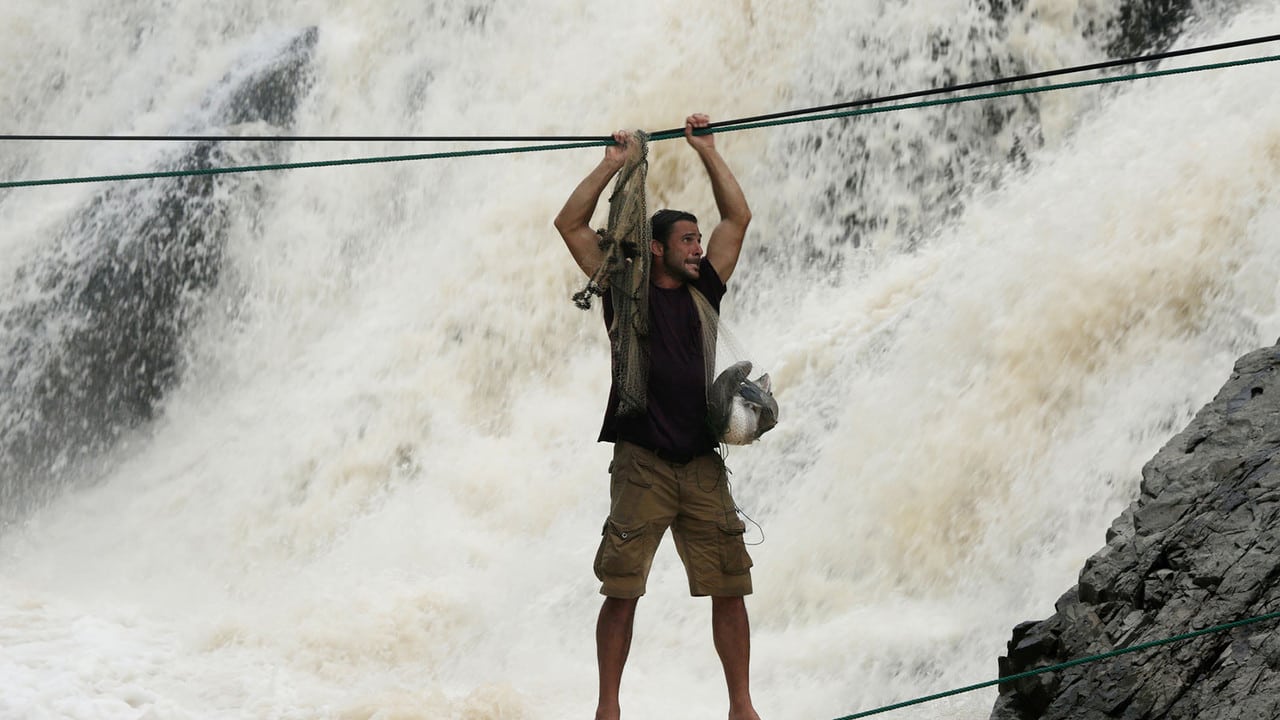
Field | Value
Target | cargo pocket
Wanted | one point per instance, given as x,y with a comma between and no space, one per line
622,551
632,468
734,559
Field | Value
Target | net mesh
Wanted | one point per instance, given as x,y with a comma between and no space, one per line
625,273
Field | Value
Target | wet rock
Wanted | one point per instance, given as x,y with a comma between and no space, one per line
1196,549
92,337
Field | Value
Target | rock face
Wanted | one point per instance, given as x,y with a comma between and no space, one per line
91,337
1198,548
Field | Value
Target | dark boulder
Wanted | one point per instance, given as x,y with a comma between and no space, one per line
91,338
1197,549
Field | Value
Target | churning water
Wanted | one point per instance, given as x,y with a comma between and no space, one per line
354,473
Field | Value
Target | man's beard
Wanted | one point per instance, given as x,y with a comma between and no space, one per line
681,271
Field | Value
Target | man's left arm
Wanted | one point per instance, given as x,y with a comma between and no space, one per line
725,243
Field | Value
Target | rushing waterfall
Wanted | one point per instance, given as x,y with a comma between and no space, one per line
320,443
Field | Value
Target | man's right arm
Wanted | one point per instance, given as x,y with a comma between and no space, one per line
574,219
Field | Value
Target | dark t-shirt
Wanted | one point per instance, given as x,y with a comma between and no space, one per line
676,421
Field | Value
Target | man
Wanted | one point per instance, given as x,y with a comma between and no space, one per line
666,471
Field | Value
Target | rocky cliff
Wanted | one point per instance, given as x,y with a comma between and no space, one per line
1195,550
91,334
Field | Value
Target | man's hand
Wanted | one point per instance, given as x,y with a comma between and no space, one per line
616,155
698,142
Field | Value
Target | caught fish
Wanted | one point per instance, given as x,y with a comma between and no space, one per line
741,410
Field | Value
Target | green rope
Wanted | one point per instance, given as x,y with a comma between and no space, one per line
1065,665
863,102
664,135
300,165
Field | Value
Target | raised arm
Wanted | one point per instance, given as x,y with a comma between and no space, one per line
725,243
574,219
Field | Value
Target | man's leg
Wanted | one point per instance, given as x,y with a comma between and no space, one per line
732,633
613,642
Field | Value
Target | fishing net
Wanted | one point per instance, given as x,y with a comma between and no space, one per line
739,410
625,273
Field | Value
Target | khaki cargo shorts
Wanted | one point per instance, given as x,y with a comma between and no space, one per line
647,495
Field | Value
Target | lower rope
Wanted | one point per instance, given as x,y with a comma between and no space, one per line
1063,666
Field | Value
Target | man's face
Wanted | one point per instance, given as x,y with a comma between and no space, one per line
683,251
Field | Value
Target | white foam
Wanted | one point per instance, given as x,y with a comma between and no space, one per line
377,492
